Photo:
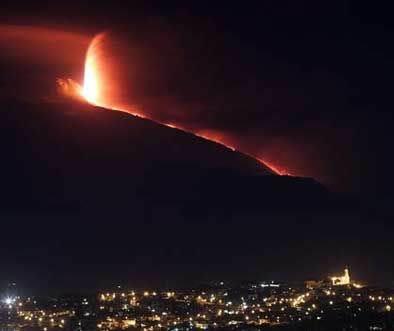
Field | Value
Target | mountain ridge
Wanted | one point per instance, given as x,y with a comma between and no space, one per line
75,154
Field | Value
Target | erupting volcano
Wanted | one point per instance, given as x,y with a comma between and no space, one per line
97,87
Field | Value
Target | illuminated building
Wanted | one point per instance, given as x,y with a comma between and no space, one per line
341,280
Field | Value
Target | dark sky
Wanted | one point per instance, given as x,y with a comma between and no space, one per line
304,85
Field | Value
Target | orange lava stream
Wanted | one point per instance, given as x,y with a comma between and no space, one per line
92,92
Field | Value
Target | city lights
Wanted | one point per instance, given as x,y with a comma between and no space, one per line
216,306
9,301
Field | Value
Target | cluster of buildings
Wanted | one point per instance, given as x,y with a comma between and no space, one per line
252,305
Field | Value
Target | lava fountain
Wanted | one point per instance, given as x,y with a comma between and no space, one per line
96,90
91,84
92,89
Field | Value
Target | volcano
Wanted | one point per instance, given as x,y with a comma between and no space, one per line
101,195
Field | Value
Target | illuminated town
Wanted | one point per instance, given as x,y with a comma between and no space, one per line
263,305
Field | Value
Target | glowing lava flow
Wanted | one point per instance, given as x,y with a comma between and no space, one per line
93,92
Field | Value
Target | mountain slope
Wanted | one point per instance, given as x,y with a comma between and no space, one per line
76,154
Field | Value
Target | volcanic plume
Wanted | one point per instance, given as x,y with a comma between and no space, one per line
101,89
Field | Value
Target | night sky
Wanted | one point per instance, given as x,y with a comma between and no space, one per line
303,85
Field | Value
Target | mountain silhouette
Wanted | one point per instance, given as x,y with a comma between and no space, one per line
79,156
98,196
